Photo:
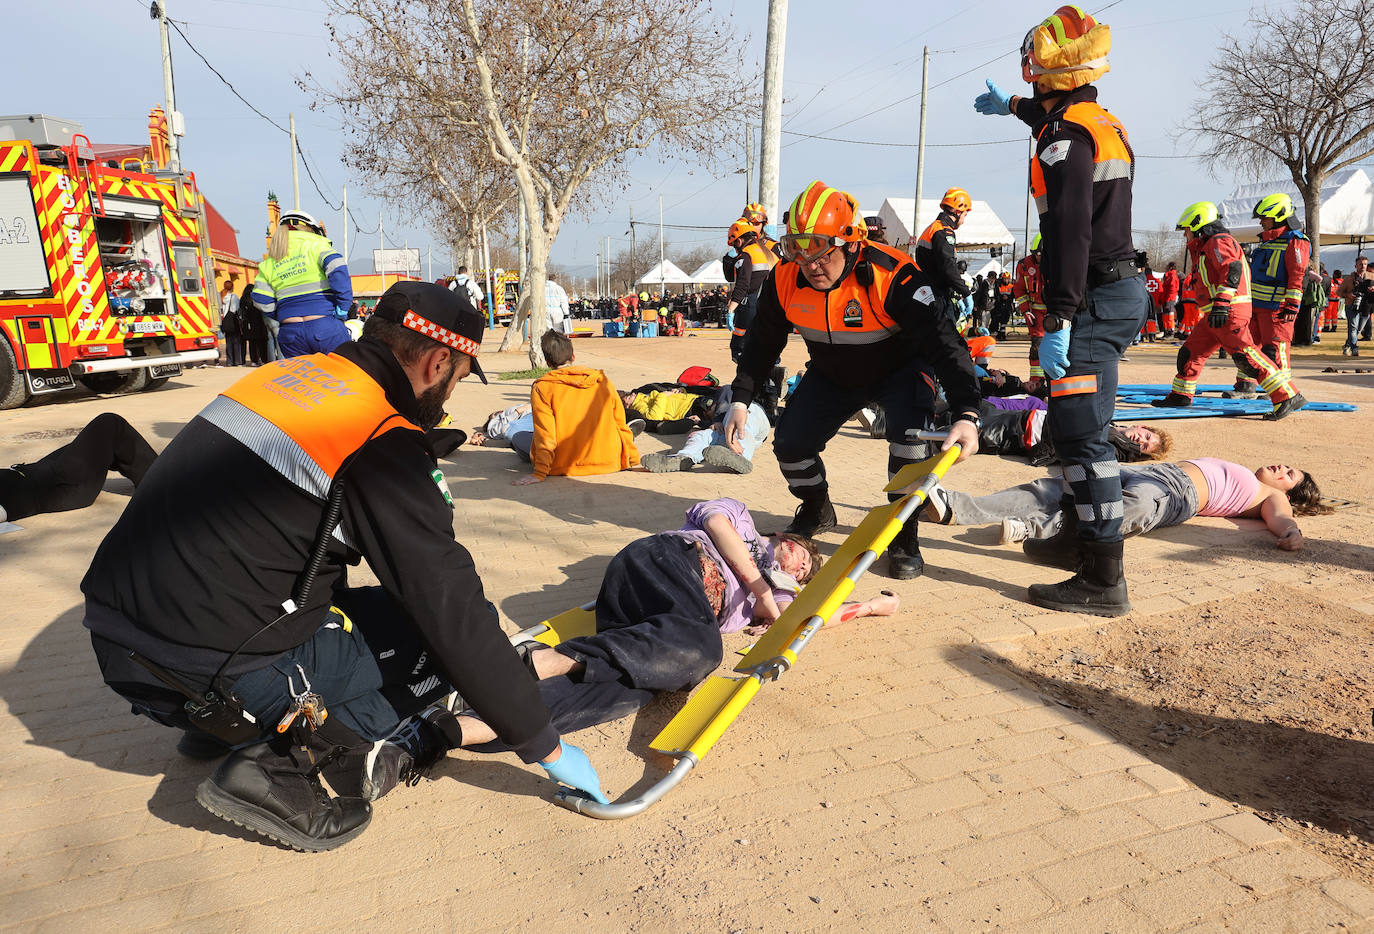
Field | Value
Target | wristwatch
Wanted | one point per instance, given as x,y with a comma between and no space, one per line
970,417
1053,324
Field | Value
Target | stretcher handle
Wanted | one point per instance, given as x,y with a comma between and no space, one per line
928,434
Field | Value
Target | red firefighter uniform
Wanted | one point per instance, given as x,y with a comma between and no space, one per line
1171,296
1187,296
1028,289
1222,280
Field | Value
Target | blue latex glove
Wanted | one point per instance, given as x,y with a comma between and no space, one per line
573,768
966,305
1054,352
993,102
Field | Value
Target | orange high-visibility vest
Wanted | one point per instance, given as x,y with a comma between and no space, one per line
850,313
1111,152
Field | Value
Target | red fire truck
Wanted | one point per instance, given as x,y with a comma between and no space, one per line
103,270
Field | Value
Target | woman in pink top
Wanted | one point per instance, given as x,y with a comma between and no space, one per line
1154,495
664,602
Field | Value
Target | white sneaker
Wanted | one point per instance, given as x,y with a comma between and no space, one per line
937,507
1013,530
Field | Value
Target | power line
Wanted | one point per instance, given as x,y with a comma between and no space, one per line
866,142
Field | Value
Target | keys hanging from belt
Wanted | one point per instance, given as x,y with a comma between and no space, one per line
307,712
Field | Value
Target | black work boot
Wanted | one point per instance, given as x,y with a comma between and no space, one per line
1174,400
814,516
1098,589
279,796
1285,408
417,743
904,559
1063,549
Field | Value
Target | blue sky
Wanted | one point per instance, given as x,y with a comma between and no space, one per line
97,62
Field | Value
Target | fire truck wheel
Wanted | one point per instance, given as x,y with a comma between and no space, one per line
14,390
117,383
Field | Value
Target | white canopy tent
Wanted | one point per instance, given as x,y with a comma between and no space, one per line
982,227
665,273
709,273
1347,207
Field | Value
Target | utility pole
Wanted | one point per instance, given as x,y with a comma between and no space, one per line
607,254
381,243
920,154
748,162
345,222
295,167
772,106
598,273
1028,196
175,124
634,257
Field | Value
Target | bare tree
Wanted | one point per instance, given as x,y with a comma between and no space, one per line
1162,246
1294,94
562,94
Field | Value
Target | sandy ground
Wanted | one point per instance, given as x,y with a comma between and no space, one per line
900,776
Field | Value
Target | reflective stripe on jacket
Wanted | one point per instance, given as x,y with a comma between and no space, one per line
1277,266
312,279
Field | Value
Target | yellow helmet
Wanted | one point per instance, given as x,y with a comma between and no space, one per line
1197,216
643,296
1066,51
754,213
1277,207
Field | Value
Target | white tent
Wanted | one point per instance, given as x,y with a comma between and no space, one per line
982,227
1347,207
666,273
709,273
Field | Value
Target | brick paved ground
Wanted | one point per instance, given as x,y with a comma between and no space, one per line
897,778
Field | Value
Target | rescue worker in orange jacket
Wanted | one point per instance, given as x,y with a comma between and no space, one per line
934,254
757,216
870,322
219,603
1278,264
752,264
1095,301
1224,281
1028,289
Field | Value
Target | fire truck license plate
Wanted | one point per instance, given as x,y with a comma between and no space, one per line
149,327
166,369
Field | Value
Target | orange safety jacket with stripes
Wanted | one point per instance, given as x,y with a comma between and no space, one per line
878,317
216,536
752,266
1081,178
935,256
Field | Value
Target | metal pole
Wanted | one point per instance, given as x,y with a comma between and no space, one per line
634,257
295,168
772,106
607,254
748,161
169,91
345,222
381,244
660,246
1029,200
598,272
920,155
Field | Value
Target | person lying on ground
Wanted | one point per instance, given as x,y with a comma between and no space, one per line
499,426
668,409
709,444
579,423
1016,425
71,477
1040,513
664,602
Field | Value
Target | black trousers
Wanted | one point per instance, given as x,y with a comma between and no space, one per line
71,476
655,631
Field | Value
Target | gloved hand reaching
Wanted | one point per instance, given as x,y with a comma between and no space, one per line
966,305
1220,315
1288,311
573,768
1054,352
993,102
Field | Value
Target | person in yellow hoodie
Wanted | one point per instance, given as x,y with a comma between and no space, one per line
579,421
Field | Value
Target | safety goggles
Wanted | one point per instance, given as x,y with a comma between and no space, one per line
808,249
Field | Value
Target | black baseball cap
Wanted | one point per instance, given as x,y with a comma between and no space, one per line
436,312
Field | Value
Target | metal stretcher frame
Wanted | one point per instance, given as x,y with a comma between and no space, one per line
691,734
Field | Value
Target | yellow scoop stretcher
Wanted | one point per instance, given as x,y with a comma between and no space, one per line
702,721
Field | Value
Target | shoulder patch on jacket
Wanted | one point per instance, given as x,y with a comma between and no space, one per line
1056,152
925,295
438,477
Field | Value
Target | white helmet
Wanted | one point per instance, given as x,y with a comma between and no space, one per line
301,217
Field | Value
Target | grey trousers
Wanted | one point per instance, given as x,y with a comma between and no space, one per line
1153,495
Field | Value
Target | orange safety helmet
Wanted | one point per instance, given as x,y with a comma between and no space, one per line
754,213
957,200
1066,51
821,217
738,229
